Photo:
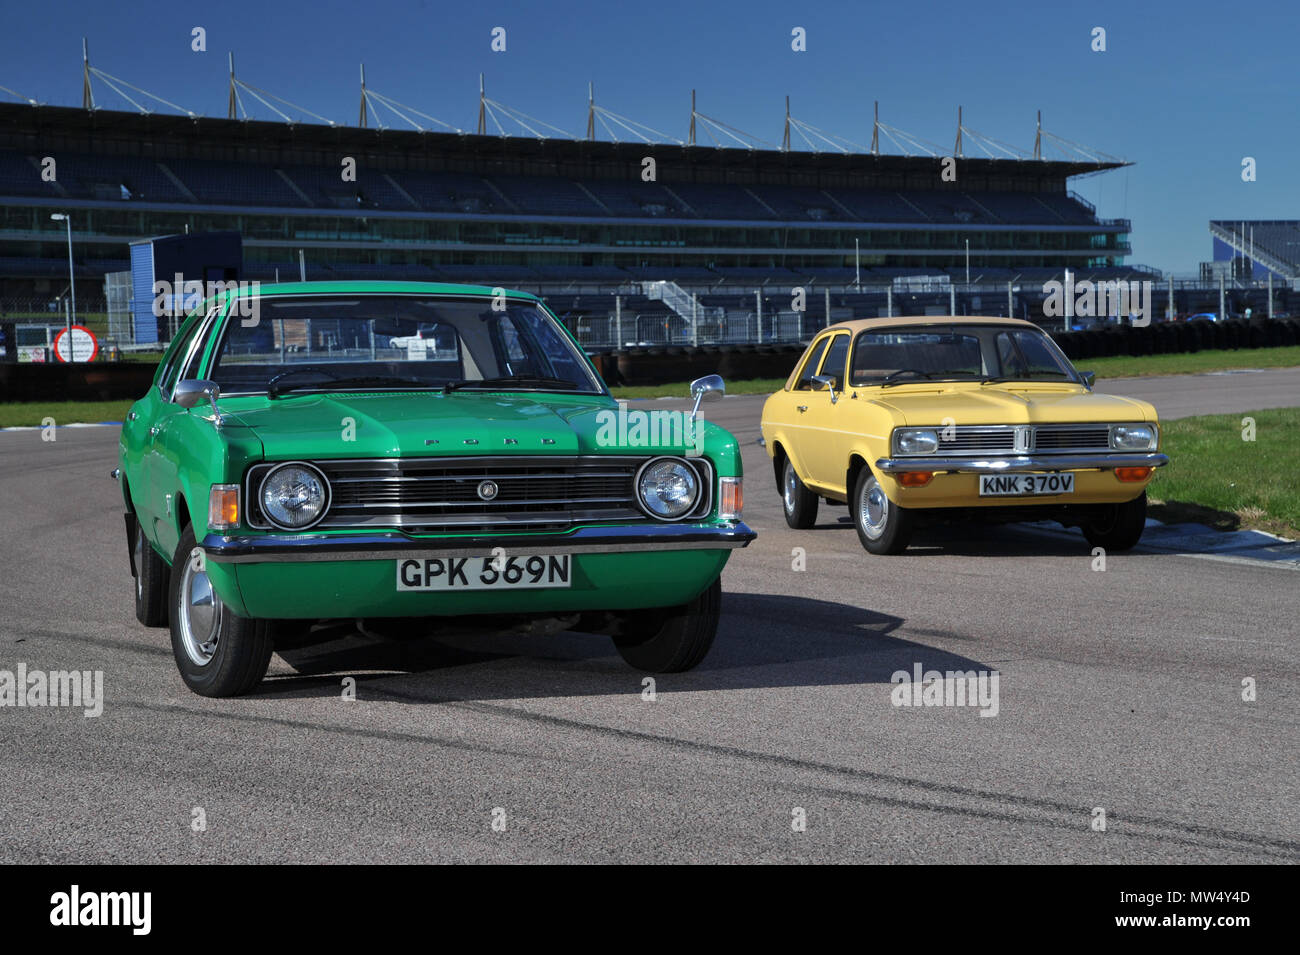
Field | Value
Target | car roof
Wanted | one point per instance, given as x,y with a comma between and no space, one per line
866,324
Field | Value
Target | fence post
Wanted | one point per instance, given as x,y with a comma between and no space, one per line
759,297
618,321
1011,303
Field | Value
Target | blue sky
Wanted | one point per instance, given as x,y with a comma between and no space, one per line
1184,89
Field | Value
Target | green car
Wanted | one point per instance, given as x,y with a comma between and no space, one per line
370,450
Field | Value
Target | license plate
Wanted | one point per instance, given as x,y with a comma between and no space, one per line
1012,485
495,572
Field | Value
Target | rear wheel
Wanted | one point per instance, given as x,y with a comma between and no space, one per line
800,503
1117,526
218,652
673,640
883,527
151,579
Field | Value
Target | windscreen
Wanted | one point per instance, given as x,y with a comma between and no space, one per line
323,343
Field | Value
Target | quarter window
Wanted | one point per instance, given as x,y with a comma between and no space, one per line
810,366
837,356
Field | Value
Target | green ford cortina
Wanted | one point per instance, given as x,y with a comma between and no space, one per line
370,450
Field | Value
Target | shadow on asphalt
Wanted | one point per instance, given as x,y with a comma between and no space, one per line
764,640
974,540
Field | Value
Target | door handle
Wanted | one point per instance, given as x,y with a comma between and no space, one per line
154,430
802,408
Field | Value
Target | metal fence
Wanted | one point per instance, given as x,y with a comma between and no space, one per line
624,316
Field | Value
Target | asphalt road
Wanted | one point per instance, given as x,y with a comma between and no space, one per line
1118,690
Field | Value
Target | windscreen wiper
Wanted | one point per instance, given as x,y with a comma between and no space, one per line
524,381
275,390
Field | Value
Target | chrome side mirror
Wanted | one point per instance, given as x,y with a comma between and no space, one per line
1088,378
191,391
710,386
825,383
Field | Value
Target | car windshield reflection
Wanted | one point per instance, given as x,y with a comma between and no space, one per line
318,344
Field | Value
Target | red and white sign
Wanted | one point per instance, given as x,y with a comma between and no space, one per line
85,346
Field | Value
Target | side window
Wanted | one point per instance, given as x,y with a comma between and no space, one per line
192,366
810,366
177,357
837,356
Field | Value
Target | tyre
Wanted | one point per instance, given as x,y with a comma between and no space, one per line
675,640
1117,526
883,527
151,579
218,652
800,503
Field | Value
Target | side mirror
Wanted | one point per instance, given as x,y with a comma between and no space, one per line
1088,378
191,391
710,386
825,383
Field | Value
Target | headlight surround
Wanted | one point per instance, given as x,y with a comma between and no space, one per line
1134,437
293,496
668,488
916,441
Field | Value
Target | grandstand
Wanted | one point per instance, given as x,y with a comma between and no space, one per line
572,219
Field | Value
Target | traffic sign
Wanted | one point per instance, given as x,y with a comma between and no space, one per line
85,346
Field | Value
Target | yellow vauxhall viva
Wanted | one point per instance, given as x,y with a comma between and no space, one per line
937,417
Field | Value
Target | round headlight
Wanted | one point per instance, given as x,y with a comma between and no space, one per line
916,441
668,488
1141,437
293,496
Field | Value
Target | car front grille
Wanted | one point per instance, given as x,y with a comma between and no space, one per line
442,494
1092,437
1023,439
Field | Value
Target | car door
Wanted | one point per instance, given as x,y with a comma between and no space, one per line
824,442
159,464
793,407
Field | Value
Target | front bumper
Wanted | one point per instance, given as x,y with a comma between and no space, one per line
1024,462
354,574
294,548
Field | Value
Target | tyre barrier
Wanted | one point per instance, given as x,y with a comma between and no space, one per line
1178,337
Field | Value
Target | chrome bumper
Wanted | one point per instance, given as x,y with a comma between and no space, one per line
1024,462
286,548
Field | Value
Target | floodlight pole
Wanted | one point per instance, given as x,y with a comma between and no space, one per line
968,261
87,94
66,219
362,121
482,112
591,112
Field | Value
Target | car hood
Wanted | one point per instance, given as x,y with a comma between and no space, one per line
411,424
1052,404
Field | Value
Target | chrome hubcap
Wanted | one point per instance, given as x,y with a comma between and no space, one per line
200,615
873,509
789,487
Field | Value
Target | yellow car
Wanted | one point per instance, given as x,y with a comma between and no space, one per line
936,417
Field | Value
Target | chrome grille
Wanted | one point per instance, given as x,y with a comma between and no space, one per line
1072,438
971,440
433,494
1022,439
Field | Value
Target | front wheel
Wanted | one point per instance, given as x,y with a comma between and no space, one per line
218,652
1117,526
883,526
675,640
800,503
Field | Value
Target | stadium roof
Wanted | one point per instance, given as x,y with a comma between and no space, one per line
38,127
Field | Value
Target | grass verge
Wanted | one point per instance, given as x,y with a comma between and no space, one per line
20,413
1190,363
1217,477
